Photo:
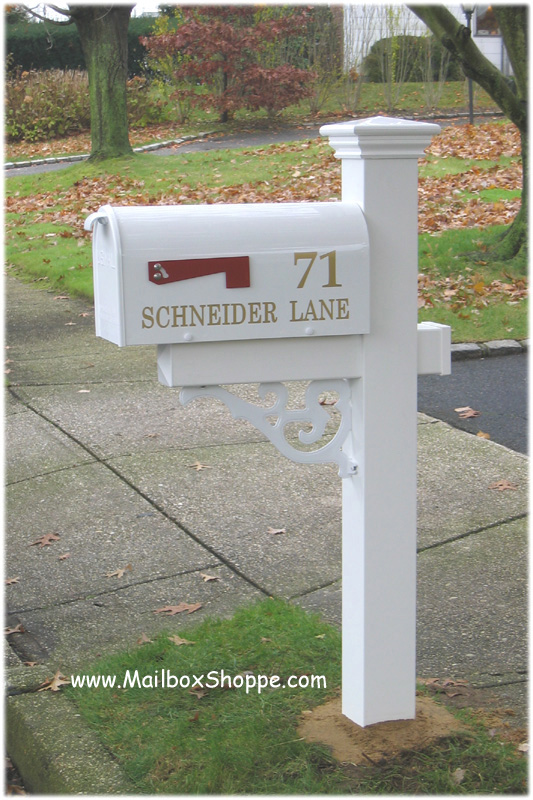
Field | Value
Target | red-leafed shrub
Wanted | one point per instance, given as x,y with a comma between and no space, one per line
230,51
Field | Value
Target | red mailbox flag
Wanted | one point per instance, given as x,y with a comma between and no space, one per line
236,268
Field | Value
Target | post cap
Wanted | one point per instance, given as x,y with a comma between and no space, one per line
380,137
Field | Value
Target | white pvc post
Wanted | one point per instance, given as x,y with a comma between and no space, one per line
380,172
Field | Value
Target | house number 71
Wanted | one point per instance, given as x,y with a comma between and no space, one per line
332,267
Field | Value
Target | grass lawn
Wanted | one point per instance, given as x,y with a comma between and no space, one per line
227,741
469,188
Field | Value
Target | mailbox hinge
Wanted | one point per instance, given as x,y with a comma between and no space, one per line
272,420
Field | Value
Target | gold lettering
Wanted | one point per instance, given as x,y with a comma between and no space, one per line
310,314
255,312
214,314
198,315
238,307
343,308
325,310
332,308
179,311
158,316
293,312
148,318
270,312
332,269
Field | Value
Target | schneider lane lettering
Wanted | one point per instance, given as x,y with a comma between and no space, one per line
258,313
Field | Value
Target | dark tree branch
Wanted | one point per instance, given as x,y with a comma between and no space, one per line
52,21
456,38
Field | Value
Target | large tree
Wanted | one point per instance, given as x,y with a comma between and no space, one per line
511,95
103,32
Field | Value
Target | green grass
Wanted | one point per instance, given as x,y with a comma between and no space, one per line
169,740
372,100
227,741
478,312
435,167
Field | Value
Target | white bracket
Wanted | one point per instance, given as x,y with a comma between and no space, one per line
272,420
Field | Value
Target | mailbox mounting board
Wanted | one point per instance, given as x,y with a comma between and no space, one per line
185,274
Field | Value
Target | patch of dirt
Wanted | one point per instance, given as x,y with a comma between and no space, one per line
380,742
508,724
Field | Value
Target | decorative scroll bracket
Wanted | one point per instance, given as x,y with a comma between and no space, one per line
314,413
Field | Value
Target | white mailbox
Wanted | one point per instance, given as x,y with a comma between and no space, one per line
194,274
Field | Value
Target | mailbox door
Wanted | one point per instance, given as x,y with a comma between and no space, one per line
107,277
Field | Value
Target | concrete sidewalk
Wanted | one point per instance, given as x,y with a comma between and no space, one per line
100,454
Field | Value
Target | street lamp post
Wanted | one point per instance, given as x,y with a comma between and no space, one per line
468,10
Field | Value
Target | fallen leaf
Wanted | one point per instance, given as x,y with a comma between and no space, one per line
177,640
55,683
119,573
62,297
199,693
502,485
144,639
458,776
320,636
265,639
30,663
46,540
208,578
482,435
11,581
17,629
523,748
276,531
467,412
64,557
190,608
12,788
197,466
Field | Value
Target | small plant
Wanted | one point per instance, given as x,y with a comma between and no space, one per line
45,105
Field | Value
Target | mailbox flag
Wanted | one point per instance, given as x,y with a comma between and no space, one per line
236,268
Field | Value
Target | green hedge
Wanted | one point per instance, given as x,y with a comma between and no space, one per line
45,46
412,51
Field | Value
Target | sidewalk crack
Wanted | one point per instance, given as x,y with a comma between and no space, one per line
474,531
112,590
222,558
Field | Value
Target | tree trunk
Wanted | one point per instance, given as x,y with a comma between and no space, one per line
510,95
513,22
103,32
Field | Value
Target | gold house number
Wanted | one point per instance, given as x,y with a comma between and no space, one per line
332,267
